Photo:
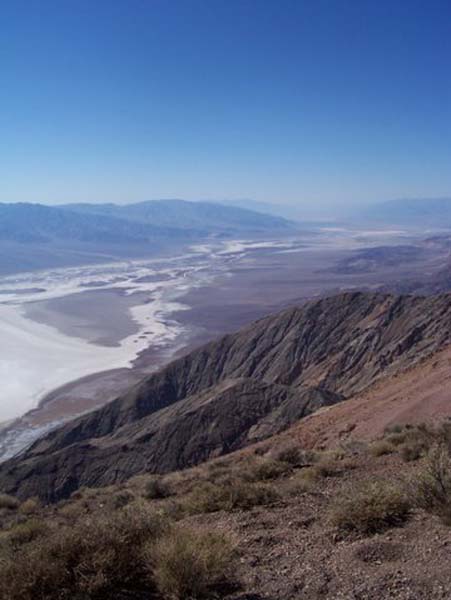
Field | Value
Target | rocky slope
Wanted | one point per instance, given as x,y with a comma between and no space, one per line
239,389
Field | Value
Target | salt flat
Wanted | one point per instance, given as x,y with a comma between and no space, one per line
60,325
37,356
73,338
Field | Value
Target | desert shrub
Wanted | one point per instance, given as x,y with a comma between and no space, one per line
189,563
93,559
23,533
261,449
411,451
295,456
298,484
396,439
396,428
72,511
444,435
8,502
432,484
290,454
205,497
310,475
231,494
417,442
157,488
30,506
381,448
121,499
265,469
370,507
246,495
327,466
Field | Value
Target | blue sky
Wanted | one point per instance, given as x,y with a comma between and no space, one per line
321,103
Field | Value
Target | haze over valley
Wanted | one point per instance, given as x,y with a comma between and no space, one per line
225,300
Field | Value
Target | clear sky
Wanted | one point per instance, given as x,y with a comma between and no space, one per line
306,101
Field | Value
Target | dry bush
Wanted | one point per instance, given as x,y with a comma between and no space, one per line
264,470
245,495
411,451
23,533
206,497
72,511
327,466
157,488
298,484
92,559
232,494
121,499
189,564
381,448
418,441
30,506
310,475
8,502
261,449
295,456
432,485
396,428
396,439
370,507
216,471
290,454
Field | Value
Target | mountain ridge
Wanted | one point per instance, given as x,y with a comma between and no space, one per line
36,236
183,214
236,390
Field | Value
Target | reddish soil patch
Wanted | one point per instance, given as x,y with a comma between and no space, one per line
418,395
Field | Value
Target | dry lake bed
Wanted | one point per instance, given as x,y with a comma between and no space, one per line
73,338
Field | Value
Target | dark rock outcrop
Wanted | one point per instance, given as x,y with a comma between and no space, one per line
239,389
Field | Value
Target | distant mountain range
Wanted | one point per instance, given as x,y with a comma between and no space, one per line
419,212
34,236
201,216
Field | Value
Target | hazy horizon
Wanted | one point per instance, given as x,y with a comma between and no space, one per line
319,104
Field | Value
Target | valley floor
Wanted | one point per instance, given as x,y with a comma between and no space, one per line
66,324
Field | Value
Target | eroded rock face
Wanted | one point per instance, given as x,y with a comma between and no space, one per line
236,390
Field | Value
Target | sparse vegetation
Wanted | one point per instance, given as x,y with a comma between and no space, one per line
432,484
157,488
381,448
188,563
8,502
412,442
411,451
370,507
328,465
152,537
30,506
121,499
92,559
23,533
133,549
230,495
298,484
265,470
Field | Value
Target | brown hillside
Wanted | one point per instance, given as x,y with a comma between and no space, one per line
237,390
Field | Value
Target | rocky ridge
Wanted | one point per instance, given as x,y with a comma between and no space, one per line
239,389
